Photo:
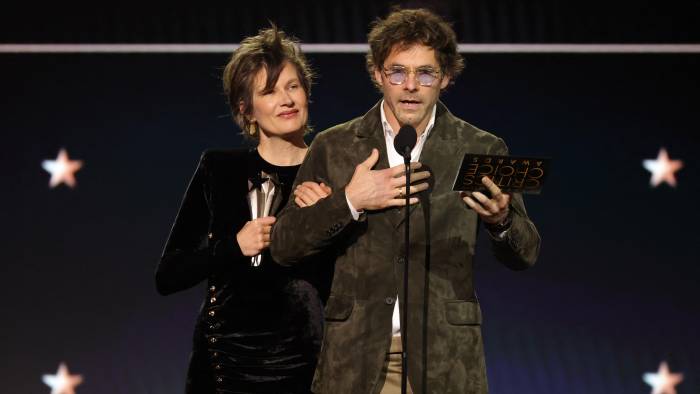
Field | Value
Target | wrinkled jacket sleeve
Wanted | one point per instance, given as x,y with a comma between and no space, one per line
189,255
521,245
300,232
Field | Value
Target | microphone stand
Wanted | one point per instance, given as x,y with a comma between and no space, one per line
404,315
403,144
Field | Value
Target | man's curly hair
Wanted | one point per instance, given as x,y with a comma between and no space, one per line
402,29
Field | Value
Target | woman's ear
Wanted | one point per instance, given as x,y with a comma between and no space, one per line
241,110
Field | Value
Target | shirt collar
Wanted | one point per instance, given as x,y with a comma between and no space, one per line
388,132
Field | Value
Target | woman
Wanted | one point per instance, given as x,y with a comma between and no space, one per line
260,328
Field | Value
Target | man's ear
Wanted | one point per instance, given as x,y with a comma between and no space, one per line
377,76
445,82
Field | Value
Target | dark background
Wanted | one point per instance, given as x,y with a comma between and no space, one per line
614,292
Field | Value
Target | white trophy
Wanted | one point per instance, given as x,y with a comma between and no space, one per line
260,195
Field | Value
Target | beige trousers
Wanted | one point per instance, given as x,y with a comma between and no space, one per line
392,369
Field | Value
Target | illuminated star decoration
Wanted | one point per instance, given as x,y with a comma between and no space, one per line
663,382
662,169
63,382
62,169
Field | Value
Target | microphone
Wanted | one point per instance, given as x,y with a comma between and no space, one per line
405,141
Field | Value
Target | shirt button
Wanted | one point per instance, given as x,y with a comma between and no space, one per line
210,235
212,313
212,300
212,340
219,380
215,354
213,288
389,300
217,366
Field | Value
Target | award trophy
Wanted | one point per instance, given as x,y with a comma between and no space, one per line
261,192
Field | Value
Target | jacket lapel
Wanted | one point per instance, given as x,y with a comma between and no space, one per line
277,195
440,155
370,135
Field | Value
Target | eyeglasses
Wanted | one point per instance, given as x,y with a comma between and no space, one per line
425,76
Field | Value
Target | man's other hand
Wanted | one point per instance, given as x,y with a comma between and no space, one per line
492,210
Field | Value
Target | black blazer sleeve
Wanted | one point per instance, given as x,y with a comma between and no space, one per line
190,256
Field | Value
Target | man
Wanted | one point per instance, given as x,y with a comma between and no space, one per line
412,58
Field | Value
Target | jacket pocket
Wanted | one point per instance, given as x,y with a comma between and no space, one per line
339,307
462,313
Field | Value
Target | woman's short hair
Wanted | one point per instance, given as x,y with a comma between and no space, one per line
271,49
404,28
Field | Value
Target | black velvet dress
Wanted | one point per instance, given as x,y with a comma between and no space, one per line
260,328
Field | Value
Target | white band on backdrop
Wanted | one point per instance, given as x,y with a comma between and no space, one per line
350,48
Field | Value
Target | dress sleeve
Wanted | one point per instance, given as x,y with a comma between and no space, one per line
190,255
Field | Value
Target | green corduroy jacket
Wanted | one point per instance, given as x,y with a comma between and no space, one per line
444,328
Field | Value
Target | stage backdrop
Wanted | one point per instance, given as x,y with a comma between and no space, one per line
612,297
